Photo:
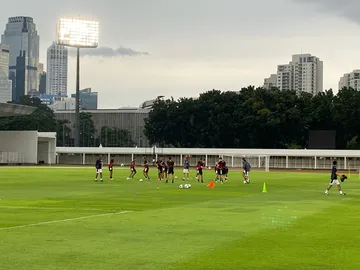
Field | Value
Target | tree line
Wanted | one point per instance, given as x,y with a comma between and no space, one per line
255,118
43,119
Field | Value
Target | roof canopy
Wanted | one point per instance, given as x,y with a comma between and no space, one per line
10,109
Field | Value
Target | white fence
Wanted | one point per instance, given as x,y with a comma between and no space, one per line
259,158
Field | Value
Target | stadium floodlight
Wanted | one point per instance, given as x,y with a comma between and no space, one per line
77,33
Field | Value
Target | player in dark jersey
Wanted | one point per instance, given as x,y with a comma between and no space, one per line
146,170
199,171
164,170
334,180
246,171
98,166
111,167
186,169
160,168
225,170
220,170
132,169
170,170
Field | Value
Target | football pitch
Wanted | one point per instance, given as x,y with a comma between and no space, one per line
59,218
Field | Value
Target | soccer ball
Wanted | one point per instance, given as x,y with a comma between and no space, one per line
140,180
245,182
187,186
122,164
181,186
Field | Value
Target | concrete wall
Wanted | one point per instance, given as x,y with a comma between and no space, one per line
18,146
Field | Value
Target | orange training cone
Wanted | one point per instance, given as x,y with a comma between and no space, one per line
211,185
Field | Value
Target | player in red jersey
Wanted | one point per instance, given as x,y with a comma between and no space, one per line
146,170
111,165
220,170
132,169
199,171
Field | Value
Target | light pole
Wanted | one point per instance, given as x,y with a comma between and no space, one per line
77,33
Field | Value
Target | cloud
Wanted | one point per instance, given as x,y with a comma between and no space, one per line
348,9
107,52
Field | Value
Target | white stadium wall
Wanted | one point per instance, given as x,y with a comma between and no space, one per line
18,147
259,158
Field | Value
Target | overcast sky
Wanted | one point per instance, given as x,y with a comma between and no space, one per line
185,47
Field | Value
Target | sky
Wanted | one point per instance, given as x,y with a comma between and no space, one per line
181,48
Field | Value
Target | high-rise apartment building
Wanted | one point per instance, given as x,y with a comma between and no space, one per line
350,80
21,36
270,82
57,70
303,73
5,85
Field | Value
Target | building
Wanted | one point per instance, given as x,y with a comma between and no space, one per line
57,69
42,83
88,99
18,76
50,99
5,85
270,82
21,36
303,73
132,119
63,104
350,80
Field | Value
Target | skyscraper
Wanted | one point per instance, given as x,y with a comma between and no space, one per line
350,80
303,73
5,90
57,70
19,87
21,36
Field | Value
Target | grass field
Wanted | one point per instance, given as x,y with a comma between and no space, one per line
52,218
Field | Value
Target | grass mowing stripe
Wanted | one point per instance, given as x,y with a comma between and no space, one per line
62,220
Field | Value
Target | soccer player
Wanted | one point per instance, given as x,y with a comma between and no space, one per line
186,169
111,164
164,170
160,168
334,180
170,168
216,171
226,170
98,166
220,170
199,171
246,170
146,170
132,169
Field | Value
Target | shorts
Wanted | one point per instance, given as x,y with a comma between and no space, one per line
146,170
334,182
133,170
160,170
170,171
110,169
219,172
98,170
246,173
186,170
200,171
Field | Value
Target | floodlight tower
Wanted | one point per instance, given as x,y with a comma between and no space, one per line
77,33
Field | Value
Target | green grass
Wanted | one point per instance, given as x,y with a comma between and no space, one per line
233,226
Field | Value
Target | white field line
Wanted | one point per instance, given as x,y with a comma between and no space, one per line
62,220
48,208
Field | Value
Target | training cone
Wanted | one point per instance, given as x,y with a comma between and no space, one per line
264,188
211,185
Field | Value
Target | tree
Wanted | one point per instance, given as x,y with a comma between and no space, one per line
87,130
115,137
63,133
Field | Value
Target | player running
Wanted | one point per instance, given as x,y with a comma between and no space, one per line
146,170
111,165
186,169
132,169
246,170
334,180
170,170
98,166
